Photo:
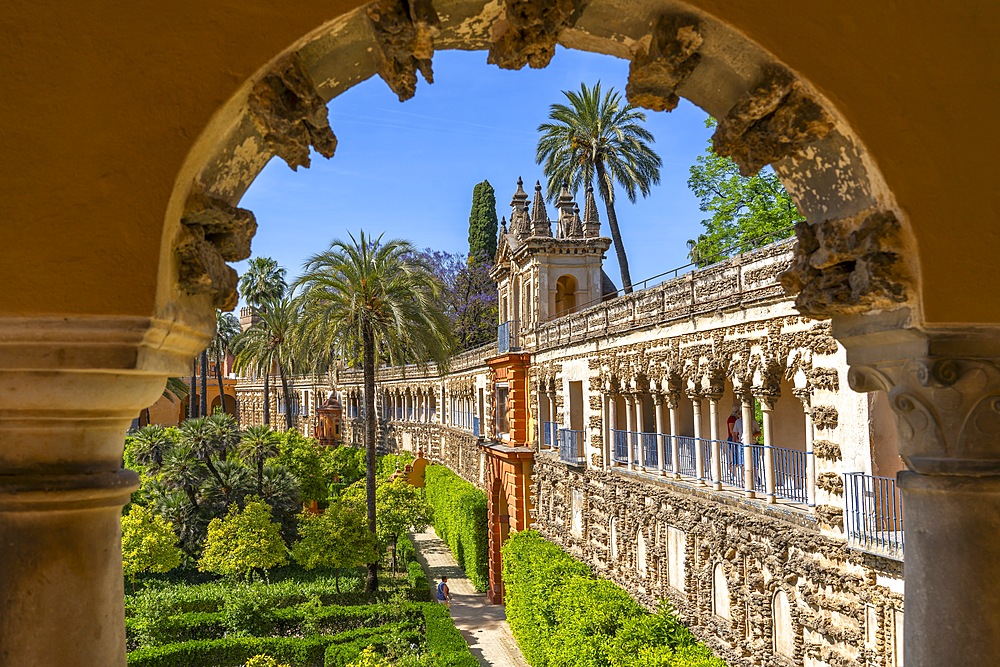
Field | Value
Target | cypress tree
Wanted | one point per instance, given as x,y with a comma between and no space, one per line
483,224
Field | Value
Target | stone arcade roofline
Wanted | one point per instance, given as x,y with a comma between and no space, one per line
746,279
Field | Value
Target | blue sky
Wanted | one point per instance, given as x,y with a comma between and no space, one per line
408,169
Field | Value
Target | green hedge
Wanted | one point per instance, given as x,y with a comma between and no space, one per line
561,615
440,641
460,520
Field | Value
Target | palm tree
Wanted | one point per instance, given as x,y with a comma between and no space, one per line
271,342
199,439
603,139
227,327
263,281
152,442
258,444
375,302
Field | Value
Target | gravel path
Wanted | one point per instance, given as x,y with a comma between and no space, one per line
483,625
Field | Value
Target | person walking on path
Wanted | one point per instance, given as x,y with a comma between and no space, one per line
443,594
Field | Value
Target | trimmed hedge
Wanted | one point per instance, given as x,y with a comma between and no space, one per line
440,641
561,615
460,520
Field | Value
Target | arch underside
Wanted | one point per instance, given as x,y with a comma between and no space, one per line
851,257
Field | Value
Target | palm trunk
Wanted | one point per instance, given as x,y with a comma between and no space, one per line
284,391
368,362
193,395
616,234
218,375
204,383
267,399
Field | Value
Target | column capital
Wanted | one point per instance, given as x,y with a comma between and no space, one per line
657,398
672,399
767,399
804,394
944,388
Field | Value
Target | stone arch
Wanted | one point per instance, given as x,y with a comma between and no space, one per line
766,115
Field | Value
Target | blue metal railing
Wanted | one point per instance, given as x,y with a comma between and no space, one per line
873,514
790,472
475,427
507,340
571,446
647,445
686,455
731,463
621,442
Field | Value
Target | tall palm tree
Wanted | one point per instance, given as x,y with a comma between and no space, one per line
227,328
263,281
602,138
374,302
271,342
152,443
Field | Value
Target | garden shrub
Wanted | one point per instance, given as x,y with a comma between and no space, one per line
445,645
417,580
232,652
460,520
563,616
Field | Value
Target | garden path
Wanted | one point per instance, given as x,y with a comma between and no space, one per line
483,625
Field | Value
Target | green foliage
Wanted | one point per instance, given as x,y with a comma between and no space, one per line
369,658
148,543
347,463
460,520
308,463
400,507
337,538
599,139
483,224
248,610
562,616
243,541
746,212
264,661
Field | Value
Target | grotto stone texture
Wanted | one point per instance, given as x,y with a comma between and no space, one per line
528,30
656,71
290,114
404,42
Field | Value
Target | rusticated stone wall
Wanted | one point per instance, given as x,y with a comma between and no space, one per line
840,613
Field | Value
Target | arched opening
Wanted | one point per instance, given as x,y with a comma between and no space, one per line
565,295
784,632
230,405
720,593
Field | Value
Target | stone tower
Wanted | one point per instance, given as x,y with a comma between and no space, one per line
541,275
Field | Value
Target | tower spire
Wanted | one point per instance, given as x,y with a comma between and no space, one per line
540,218
591,222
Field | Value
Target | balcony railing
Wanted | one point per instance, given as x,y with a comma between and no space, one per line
507,339
621,443
874,514
571,446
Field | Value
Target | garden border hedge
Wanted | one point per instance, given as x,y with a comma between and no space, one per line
460,521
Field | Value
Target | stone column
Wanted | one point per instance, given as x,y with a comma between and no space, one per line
804,395
630,428
69,389
944,388
699,462
675,445
612,427
747,436
661,453
713,433
553,411
767,409
640,421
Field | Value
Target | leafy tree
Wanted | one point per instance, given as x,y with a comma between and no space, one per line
271,342
337,538
746,212
375,302
469,298
227,328
400,508
148,543
599,138
347,463
257,445
305,460
202,440
483,225
265,661
243,542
